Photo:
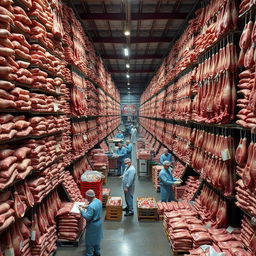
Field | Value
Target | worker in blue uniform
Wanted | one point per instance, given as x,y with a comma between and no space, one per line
128,149
120,135
121,152
166,156
128,186
94,224
166,181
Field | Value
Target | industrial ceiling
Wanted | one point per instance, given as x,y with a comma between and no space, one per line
153,25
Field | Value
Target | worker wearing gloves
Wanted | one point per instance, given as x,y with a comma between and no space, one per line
120,135
128,149
166,156
128,185
166,182
121,152
94,224
133,135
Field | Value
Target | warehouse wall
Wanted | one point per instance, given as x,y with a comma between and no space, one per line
129,99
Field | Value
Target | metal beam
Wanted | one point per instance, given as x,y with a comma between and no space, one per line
134,16
134,40
132,57
131,71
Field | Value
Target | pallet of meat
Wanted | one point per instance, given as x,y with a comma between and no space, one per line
155,176
147,209
71,225
105,196
114,209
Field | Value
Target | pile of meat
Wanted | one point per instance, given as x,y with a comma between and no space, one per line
178,169
79,168
70,225
211,208
146,202
191,186
16,240
114,201
155,176
71,188
44,227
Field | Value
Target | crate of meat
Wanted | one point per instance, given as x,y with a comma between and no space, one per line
147,209
91,180
179,191
114,208
105,196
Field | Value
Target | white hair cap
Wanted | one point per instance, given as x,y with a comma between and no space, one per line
127,160
166,163
90,193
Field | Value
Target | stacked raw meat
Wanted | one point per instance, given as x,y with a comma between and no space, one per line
178,169
248,234
79,168
172,206
155,176
191,186
44,228
70,225
146,202
17,238
44,182
211,208
71,187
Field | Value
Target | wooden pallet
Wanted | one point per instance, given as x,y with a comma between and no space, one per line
104,200
68,243
147,214
114,212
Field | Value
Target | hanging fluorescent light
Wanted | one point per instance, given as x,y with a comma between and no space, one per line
127,65
128,83
126,52
127,75
127,33
128,88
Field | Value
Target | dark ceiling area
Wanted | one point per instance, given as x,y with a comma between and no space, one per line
153,25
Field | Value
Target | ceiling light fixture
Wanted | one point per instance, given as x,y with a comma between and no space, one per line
127,33
128,83
126,52
127,75
129,88
127,65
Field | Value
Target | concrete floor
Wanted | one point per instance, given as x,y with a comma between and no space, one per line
128,237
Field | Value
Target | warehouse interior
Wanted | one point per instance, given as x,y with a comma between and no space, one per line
127,127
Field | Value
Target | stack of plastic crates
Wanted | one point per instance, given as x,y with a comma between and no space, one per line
96,186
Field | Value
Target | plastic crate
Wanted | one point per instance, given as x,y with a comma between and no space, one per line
95,186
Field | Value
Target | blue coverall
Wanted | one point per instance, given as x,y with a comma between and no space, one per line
93,227
121,152
129,182
129,151
165,157
120,135
166,181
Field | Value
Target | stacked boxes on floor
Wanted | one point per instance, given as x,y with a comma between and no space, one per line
114,209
